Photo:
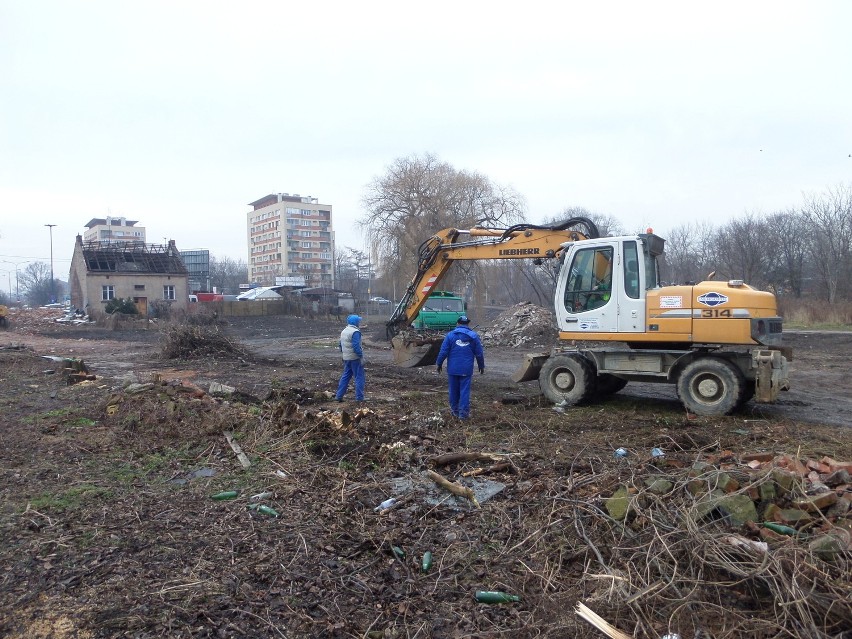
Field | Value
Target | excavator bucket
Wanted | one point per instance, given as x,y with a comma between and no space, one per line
530,367
411,350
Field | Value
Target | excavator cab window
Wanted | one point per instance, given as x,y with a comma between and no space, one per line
631,270
589,283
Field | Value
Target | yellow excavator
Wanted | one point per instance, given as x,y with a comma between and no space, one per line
720,343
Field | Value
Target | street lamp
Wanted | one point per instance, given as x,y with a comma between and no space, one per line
52,285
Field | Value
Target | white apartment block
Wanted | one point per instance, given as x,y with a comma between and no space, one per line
290,237
111,230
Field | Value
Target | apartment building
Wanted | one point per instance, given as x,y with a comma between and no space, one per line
290,238
110,230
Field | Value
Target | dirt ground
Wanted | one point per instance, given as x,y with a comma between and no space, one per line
110,530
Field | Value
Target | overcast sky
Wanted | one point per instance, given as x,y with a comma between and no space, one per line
178,114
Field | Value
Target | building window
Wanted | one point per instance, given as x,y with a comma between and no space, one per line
168,292
107,293
306,245
138,287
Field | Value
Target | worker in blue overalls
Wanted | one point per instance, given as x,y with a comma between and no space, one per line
460,349
352,354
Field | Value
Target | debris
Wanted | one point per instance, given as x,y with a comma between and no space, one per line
453,458
521,324
397,551
244,460
387,503
456,489
495,597
620,453
494,468
227,494
426,562
216,388
779,528
598,622
737,540
265,510
259,496
657,452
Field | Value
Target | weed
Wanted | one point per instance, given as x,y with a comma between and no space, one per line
73,498
81,422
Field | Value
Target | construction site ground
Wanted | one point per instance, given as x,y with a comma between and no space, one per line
110,528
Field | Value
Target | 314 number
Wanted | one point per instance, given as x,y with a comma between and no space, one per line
715,312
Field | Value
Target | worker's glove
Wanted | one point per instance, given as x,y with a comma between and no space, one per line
440,366
481,370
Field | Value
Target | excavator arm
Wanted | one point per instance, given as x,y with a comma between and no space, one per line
437,254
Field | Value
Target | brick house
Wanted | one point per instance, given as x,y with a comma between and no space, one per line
103,271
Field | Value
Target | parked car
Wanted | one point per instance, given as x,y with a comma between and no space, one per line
380,300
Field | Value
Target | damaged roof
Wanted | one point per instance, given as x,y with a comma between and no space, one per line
102,257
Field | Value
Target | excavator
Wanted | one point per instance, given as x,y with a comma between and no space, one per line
719,343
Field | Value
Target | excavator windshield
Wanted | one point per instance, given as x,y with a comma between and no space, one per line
589,283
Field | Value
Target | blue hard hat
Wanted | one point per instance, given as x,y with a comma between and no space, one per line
354,320
463,319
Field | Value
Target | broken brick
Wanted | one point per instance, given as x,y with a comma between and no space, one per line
758,457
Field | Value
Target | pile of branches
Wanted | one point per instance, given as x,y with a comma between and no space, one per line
702,576
190,341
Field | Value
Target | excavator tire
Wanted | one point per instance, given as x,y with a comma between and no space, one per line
609,384
711,386
567,379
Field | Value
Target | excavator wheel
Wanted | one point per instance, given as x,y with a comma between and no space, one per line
710,386
567,379
609,384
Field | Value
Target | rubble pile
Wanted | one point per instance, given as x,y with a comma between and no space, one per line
765,496
30,319
524,323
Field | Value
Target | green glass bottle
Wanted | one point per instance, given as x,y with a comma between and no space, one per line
426,563
227,494
780,528
495,596
266,510
399,552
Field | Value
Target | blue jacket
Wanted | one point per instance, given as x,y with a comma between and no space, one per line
460,348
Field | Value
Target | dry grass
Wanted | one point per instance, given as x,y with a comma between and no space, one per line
816,314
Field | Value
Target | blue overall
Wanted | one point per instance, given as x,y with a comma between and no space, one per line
460,349
353,363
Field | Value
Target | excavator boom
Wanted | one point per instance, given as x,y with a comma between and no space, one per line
436,255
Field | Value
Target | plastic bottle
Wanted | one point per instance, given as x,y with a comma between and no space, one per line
426,563
495,596
227,494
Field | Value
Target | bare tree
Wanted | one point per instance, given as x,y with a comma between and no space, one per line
608,225
786,251
689,253
829,218
226,274
418,196
741,250
36,285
